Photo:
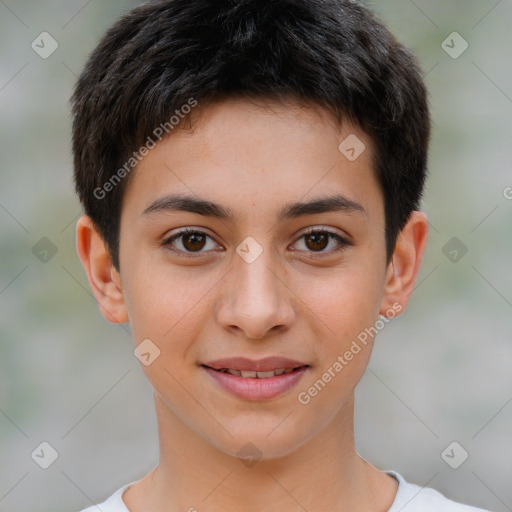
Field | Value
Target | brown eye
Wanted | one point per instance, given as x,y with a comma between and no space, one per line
190,241
318,241
194,241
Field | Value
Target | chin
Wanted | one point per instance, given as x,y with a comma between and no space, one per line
260,442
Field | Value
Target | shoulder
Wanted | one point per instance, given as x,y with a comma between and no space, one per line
413,498
113,504
409,498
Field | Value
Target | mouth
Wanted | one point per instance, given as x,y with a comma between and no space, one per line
256,385
251,374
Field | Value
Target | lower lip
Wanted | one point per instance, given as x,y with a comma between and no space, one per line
248,388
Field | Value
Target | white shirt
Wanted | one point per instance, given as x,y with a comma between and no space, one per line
409,498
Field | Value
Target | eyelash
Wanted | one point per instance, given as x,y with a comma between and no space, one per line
343,243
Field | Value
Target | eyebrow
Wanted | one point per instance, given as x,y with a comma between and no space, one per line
185,203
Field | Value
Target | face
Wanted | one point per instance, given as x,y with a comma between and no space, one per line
255,272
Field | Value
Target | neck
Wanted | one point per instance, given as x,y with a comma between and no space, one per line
324,473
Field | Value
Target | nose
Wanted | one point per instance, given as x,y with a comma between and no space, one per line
256,299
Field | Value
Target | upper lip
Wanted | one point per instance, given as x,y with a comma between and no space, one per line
259,365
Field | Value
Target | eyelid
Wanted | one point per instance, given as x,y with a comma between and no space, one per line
167,241
342,240
320,229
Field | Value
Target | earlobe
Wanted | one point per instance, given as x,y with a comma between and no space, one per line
405,263
103,279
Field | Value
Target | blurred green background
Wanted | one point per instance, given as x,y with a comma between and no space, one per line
440,373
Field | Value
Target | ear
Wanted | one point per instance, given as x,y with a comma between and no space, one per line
405,263
104,280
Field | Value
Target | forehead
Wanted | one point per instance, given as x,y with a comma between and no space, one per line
244,153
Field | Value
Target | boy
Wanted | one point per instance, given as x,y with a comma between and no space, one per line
251,174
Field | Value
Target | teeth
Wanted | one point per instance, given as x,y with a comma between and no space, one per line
265,375
254,374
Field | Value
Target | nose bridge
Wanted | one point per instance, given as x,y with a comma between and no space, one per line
255,274
257,299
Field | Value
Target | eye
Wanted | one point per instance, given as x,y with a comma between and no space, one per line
317,240
190,240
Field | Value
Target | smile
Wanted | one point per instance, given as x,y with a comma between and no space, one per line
252,385
254,374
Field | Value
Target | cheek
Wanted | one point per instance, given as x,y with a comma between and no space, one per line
343,306
169,311
172,308
345,300
162,299
347,308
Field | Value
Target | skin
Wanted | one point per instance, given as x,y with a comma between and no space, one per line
254,157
